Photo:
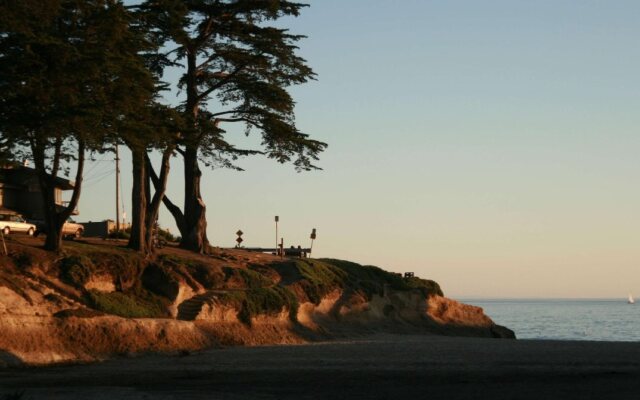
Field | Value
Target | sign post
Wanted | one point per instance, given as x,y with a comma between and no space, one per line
239,239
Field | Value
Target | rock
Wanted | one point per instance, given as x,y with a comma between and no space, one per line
502,332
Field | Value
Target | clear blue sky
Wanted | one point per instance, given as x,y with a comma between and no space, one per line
492,146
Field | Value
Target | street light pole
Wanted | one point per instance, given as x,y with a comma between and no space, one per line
313,237
117,160
277,219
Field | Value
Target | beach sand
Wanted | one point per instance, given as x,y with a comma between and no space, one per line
378,367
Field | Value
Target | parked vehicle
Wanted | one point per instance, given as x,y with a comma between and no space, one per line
14,223
70,228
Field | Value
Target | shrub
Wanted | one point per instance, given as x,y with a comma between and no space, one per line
253,279
120,234
166,235
76,270
207,275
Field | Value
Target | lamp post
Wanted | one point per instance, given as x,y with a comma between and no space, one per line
313,237
277,219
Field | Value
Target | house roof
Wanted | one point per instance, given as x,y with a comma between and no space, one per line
4,210
22,175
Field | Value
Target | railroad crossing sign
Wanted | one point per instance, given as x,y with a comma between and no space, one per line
239,239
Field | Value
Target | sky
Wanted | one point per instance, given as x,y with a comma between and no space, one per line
491,146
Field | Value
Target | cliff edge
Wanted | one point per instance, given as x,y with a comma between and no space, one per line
99,300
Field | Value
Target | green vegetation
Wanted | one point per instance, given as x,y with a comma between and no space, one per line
81,261
121,234
76,270
427,286
253,279
148,295
258,301
368,278
207,275
163,234
167,236
139,304
319,277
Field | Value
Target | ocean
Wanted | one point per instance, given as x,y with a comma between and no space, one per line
598,319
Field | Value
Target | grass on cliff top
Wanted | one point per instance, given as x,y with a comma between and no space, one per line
372,278
319,277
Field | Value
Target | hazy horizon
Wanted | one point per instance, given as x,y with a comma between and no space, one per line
490,146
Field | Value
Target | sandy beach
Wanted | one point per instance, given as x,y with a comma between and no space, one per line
379,367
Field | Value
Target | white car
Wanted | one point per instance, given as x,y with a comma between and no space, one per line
70,228
13,223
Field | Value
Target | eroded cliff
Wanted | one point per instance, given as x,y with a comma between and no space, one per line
99,300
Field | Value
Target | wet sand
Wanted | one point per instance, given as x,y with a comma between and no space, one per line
380,367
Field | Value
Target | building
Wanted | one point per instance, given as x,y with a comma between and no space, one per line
102,228
20,192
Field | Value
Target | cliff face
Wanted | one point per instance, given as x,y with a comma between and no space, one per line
99,300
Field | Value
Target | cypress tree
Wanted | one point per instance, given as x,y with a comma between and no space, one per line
236,68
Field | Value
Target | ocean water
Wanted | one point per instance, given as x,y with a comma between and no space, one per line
608,319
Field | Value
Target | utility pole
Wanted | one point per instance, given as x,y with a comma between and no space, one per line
117,159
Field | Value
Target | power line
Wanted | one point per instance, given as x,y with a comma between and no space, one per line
95,181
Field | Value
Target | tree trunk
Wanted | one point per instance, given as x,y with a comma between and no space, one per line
195,236
160,185
194,230
53,240
54,219
137,238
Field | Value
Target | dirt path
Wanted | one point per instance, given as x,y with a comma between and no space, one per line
384,367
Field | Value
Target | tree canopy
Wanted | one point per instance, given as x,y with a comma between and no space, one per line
80,76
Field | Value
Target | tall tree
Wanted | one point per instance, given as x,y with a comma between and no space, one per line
146,126
160,131
236,69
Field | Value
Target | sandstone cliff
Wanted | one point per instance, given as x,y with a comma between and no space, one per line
99,300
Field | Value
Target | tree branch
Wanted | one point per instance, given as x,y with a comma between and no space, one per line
222,82
234,112
218,120
173,209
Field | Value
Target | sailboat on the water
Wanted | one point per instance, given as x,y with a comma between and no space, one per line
630,300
